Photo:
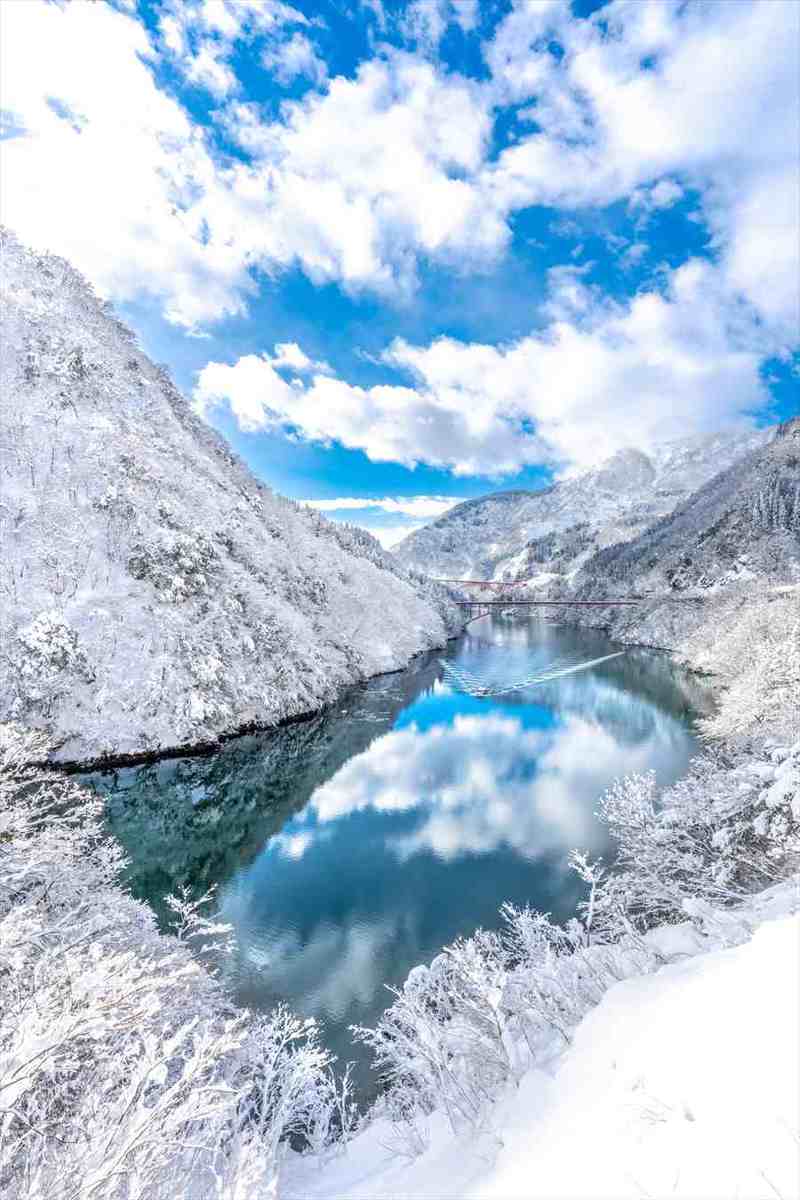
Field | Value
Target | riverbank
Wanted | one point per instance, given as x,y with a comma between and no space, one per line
746,642
682,1083
210,746
156,594
137,1064
349,849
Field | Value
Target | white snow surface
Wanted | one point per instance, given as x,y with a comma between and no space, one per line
683,1083
154,593
522,535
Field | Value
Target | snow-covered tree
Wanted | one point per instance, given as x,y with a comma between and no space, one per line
154,593
689,858
124,1071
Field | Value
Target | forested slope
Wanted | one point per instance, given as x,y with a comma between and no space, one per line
154,593
743,524
723,576
548,534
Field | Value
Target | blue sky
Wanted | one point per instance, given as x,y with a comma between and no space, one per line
415,252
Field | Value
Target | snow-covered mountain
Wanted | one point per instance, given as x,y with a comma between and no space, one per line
154,593
735,540
550,533
743,524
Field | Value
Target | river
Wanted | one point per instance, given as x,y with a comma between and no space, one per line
347,848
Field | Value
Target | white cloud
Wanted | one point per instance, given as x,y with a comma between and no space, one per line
356,184
391,535
718,107
634,254
288,355
257,395
466,13
517,54
207,69
425,21
375,514
375,171
201,35
116,192
600,376
644,201
412,506
295,57
389,423
351,185
758,231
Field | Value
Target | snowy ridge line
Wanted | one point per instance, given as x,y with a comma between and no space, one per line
156,595
473,685
548,534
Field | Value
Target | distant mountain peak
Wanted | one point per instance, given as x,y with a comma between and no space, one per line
551,532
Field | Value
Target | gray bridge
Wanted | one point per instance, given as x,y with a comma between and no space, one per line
510,600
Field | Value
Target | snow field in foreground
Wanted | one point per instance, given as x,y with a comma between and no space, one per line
685,1083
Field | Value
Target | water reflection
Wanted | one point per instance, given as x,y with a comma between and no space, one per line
480,782
353,846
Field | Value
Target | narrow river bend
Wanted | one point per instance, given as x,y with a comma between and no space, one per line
347,848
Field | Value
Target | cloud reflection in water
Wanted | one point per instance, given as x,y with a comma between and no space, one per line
419,836
480,782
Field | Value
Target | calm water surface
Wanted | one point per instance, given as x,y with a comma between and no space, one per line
348,848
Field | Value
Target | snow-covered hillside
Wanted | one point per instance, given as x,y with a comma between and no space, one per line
735,545
515,535
744,524
154,593
672,1086
728,531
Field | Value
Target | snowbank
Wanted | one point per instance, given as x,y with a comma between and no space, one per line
683,1083
620,1055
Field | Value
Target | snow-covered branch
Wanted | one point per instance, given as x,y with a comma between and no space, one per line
689,862
124,1070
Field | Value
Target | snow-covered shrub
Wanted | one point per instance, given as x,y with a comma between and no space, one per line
718,834
124,1070
178,564
441,1043
49,642
753,647
489,1006
42,660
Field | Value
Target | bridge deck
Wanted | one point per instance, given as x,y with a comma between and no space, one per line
512,603
496,585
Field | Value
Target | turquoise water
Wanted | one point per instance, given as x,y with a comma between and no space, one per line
348,848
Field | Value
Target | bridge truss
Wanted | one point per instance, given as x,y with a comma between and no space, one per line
503,597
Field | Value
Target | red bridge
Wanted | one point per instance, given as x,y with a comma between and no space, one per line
500,585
